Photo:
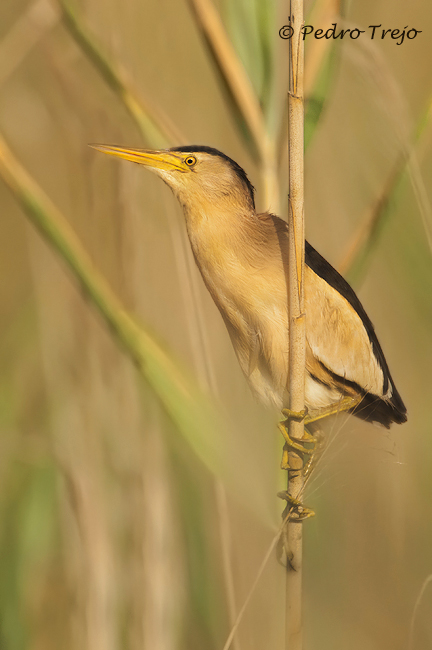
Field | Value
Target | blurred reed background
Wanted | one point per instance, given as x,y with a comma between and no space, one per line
122,525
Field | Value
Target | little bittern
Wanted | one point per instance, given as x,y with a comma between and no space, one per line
242,257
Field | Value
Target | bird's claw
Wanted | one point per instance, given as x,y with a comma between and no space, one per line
298,416
296,444
305,446
295,508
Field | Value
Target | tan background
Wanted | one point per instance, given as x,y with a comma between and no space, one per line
110,528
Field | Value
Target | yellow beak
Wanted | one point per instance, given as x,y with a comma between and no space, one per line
166,160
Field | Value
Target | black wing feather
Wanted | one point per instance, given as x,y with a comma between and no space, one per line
372,407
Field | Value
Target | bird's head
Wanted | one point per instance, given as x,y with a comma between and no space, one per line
199,176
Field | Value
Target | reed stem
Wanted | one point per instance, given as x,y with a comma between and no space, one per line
293,532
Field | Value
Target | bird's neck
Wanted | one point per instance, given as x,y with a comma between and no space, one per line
217,231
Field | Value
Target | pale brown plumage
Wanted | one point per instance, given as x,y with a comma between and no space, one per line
242,257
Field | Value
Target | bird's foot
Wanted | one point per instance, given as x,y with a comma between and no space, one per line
345,404
305,447
295,444
296,510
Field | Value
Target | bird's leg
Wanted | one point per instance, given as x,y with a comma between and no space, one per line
294,444
315,449
296,510
309,417
345,404
299,509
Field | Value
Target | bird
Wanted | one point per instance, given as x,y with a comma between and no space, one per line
242,256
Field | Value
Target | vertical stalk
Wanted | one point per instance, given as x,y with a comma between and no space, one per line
293,534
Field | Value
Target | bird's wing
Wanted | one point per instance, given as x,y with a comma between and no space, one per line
342,337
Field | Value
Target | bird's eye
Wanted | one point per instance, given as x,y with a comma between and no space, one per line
190,161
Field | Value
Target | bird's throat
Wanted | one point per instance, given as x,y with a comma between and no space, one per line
217,235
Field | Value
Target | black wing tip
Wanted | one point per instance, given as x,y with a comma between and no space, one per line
399,410
374,409
399,407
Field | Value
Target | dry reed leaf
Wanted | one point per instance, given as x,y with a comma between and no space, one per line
190,410
154,125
